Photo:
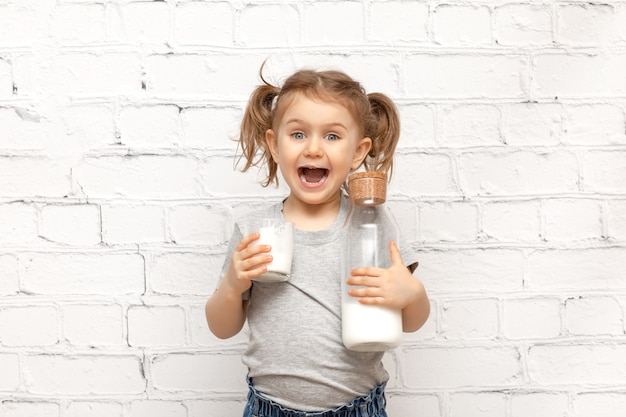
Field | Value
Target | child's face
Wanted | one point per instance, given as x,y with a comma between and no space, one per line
315,145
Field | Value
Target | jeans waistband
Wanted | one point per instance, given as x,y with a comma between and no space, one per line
371,405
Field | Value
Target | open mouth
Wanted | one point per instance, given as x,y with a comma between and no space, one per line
313,175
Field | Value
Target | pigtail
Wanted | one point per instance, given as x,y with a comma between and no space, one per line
385,133
257,119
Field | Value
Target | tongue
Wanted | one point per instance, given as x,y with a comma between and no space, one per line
313,174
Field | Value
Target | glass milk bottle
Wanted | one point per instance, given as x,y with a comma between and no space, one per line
366,235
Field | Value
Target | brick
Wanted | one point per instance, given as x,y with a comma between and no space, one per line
85,127
29,326
450,222
78,273
605,171
18,25
10,376
512,221
594,124
87,74
201,372
202,76
22,128
375,71
25,80
580,269
523,24
22,227
204,23
397,404
29,409
213,128
150,126
577,364
418,126
470,125
518,173
143,22
45,177
531,318
215,408
422,174
71,224
616,219
453,76
198,225
546,404
78,328
6,79
594,316
607,404
398,21
464,367
93,409
235,183
84,374
79,24
533,124
596,75
478,404
569,220
462,25
156,326
585,24
319,16
470,319
183,273
463,270
282,18
9,284
620,20
142,176
133,224
149,408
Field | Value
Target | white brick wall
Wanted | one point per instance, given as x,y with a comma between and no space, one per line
117,196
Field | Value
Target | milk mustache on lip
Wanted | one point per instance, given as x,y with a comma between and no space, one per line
365,243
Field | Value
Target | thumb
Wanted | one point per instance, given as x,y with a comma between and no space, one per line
396,257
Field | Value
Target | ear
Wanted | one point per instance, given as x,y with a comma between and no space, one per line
360,152
272,142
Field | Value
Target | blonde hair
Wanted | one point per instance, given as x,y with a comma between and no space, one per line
375,113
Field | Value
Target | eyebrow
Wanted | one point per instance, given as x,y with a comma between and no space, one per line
326,125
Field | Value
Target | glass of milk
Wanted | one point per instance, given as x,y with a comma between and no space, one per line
279,235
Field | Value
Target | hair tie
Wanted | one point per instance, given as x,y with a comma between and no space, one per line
274,101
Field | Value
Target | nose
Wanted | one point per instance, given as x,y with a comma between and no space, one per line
314,146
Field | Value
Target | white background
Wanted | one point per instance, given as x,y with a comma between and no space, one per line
117,195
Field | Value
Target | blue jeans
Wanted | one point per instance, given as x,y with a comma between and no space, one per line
372,405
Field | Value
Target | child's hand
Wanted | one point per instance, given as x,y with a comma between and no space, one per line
247,263
393,287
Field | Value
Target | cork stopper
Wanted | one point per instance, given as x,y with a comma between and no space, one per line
368,188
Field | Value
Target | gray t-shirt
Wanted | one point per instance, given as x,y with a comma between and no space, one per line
295,354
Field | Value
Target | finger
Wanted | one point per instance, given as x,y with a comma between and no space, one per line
255,262
372,300
396,257
245,242
365,292
368,271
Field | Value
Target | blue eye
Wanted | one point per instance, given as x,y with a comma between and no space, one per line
297,135
332,137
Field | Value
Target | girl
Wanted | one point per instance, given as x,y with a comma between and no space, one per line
316,129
